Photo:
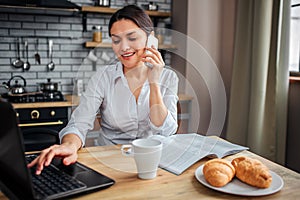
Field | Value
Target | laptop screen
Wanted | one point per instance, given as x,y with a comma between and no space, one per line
13,170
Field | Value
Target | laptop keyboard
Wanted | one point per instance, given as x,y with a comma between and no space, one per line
52,181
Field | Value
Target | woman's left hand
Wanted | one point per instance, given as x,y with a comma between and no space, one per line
157,62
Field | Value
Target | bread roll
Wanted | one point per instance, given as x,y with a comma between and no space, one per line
218,172
252,172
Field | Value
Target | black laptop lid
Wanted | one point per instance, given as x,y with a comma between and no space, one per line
15,178
14,175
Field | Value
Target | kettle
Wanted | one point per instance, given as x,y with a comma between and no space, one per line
15,88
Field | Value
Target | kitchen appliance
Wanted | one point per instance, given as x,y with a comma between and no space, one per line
16,88
48,92
40,125
32,97
41,3
49,86
40,7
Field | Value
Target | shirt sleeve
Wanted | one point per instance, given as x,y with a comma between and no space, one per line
83,117
169,88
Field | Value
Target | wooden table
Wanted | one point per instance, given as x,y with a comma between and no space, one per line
109,161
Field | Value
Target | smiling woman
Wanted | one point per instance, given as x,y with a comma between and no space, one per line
134,101
128,43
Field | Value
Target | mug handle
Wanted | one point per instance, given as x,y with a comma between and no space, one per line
127,150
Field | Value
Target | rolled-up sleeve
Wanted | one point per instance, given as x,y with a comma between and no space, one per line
83,117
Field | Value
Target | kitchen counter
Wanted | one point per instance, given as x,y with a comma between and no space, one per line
71,101
184,108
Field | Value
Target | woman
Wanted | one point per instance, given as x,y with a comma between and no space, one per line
134,101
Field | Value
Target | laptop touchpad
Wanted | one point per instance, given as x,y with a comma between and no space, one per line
72,169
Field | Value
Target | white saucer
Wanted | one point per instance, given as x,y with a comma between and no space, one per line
237,187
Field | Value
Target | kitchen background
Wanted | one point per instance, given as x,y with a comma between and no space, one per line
215,28
69,51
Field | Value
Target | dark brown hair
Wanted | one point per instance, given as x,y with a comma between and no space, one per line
136,15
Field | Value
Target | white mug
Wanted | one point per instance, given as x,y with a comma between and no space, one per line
147,154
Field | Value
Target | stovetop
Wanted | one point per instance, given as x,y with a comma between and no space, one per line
33,97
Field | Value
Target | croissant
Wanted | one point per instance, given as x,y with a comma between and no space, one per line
218,172
252,172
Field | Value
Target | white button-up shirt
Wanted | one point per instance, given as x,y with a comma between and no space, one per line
123,119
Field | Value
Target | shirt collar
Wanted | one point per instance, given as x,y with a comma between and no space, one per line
119,71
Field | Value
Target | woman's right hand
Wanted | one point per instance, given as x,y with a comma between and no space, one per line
67,151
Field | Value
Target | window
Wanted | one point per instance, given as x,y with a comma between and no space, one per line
294,58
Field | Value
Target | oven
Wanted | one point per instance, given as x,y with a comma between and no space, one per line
39,122
40,126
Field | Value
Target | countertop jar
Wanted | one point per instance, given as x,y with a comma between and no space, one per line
105,3
97,34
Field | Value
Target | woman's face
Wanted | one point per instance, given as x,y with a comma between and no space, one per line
128,42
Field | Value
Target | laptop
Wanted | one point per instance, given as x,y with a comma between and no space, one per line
19,182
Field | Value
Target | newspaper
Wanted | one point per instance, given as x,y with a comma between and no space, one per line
180,151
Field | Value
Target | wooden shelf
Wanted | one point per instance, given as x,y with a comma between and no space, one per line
107,10
97,44
98,9
156,15
108,45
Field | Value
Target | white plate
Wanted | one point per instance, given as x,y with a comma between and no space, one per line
239,188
